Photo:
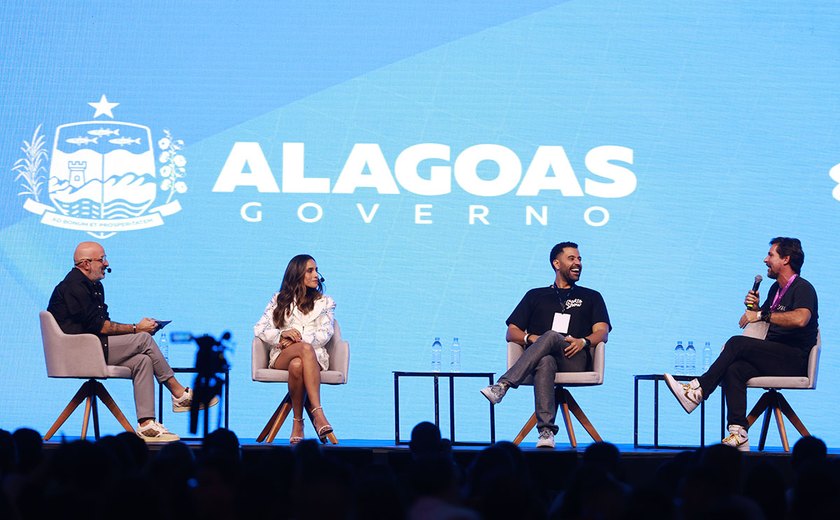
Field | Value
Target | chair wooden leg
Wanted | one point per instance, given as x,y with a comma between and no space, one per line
581,417
759,408
81,395
567,406
267,428
529,425
273,425
562,403
792,417
284,413
780,424
567,420
104,396
88,392
264,433
773,402
86,417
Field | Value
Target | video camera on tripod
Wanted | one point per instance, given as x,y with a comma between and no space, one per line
209,363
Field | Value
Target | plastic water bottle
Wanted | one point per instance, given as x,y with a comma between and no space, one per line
436,350
707,357
679,358
690,359
455,360
163,345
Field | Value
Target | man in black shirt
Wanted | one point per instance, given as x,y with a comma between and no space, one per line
557,325
790,314
78,305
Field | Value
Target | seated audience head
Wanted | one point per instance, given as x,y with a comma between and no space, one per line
137,447
221,444
29,448
808,450
726,460
605,455
8,453
426,441
765,486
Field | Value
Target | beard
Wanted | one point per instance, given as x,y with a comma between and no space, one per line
570,276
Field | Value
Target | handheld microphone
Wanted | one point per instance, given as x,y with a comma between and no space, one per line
756,283
322,279
107,269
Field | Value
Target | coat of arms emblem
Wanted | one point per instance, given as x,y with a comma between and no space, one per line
104,177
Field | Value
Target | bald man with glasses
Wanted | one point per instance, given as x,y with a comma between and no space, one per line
78,305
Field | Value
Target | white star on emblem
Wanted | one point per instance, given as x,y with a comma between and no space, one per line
103,107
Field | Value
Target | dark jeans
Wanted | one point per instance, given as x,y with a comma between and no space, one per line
743,358
538,365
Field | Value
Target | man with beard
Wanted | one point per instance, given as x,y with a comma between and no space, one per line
557,325
78,306
790,310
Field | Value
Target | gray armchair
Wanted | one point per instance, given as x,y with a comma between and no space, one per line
80,356
773,402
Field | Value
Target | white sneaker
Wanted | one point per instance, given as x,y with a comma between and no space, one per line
494,393
737,438
182,404
688,394
546,439
156,432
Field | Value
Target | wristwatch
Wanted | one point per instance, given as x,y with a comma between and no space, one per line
764,317
586,342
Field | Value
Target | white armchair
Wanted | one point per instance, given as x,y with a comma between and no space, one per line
563,397
337,373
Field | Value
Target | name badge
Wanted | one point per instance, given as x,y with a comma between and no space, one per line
561,323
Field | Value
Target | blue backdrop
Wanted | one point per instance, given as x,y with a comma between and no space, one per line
428,155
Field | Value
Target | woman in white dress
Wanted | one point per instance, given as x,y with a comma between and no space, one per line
297,324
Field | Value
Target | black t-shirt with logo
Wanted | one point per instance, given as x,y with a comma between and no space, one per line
800,295
535,313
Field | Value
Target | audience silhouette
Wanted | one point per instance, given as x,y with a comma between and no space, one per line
118,476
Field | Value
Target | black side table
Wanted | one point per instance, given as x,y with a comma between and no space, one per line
656,378
193,370
436,376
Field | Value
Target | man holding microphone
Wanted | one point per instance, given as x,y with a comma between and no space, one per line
790,315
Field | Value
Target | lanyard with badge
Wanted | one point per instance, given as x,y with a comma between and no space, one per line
780,293
561,319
